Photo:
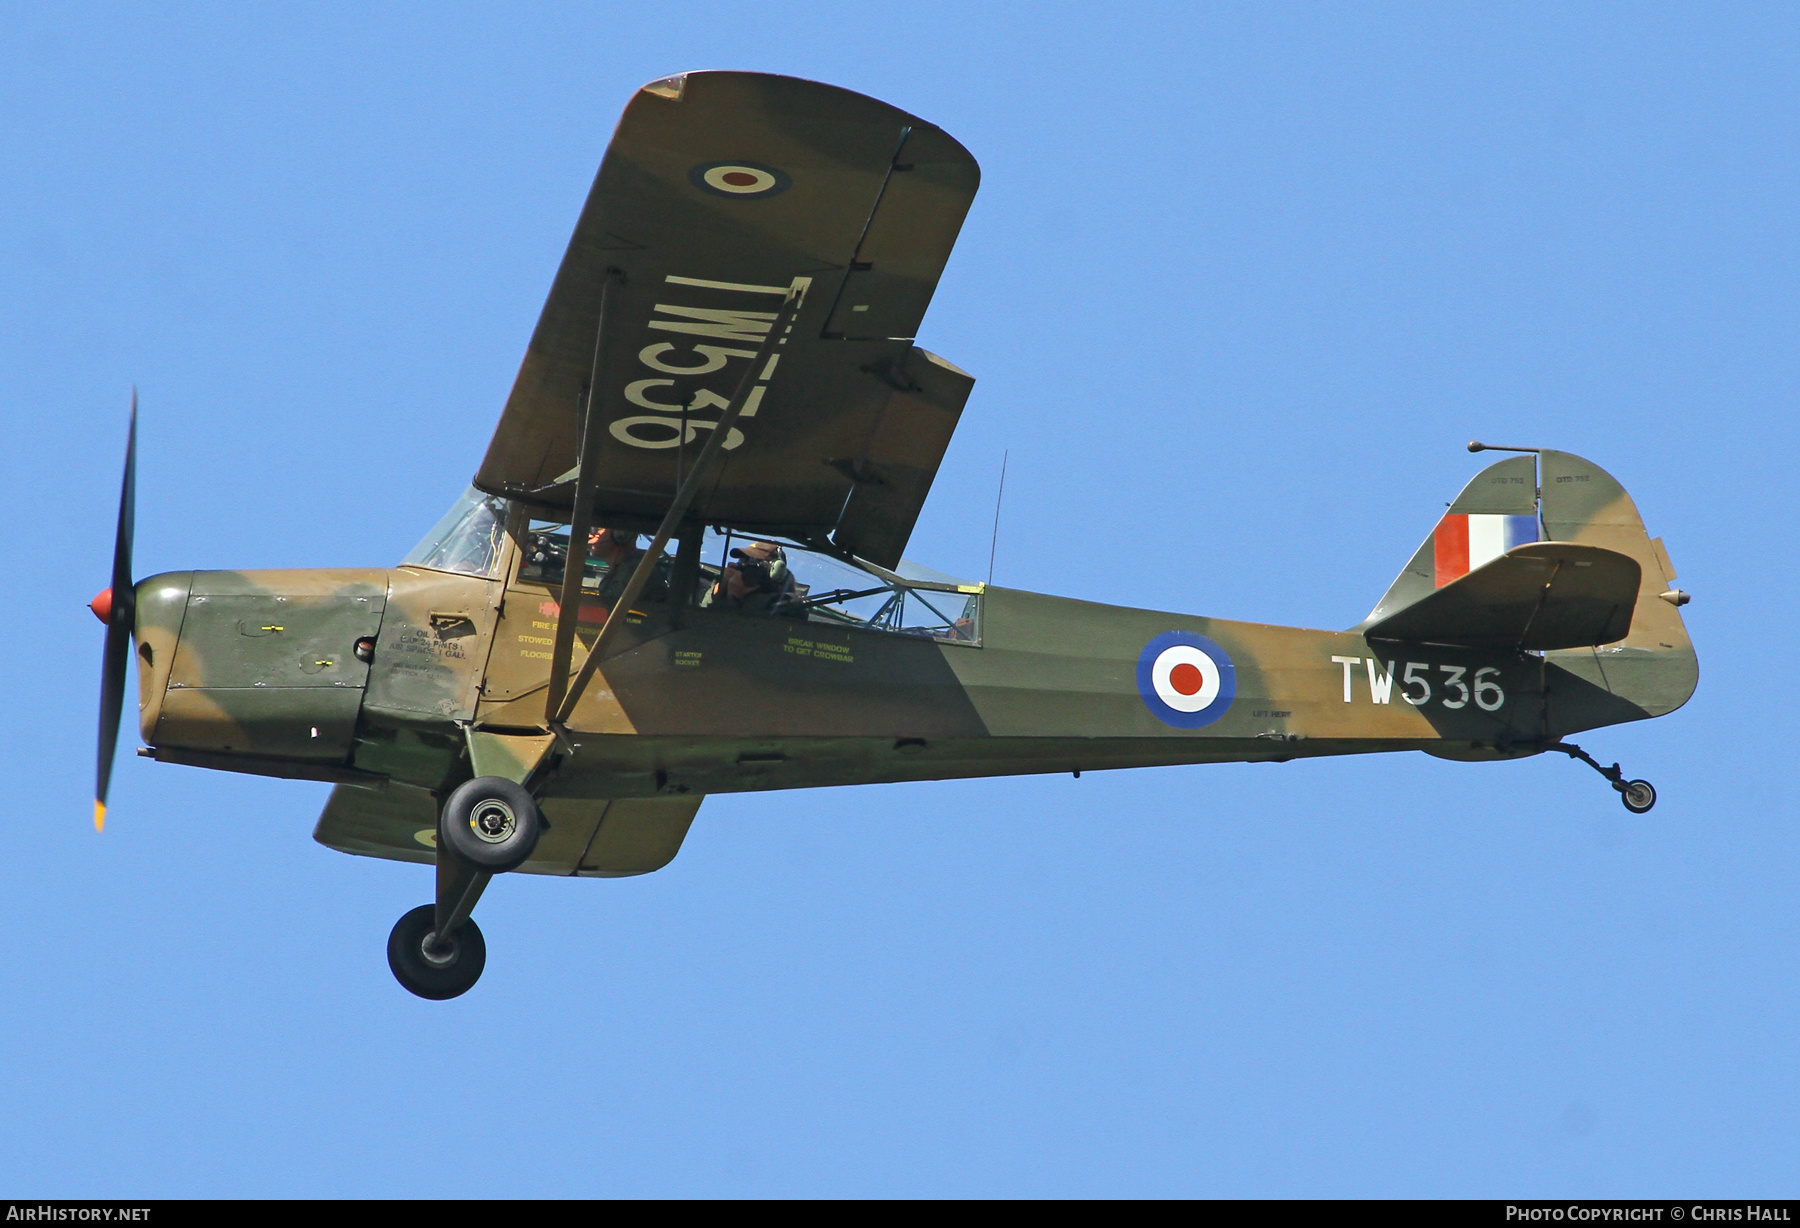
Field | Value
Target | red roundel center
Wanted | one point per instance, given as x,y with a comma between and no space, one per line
739,179
1187,679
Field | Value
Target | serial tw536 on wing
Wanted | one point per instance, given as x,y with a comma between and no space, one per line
725,366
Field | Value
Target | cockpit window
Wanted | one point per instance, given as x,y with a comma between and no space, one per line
544,552
610,558
737,573
467,540
757,576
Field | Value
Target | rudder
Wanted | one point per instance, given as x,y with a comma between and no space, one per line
1654,668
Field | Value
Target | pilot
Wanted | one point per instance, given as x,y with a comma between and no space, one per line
758,583
617,550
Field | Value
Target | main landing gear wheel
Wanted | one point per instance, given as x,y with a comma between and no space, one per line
432,968
491,823
1638,795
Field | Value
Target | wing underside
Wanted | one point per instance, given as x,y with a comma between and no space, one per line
593,838
719,193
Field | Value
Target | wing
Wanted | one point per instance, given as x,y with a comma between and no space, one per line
719,191
591,838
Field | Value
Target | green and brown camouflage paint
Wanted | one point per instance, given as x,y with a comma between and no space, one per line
257,672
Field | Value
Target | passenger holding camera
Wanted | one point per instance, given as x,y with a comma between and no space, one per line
758,583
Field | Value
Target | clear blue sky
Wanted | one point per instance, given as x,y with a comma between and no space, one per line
1239,284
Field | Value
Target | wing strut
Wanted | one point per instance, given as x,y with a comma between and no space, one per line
690,486
568,610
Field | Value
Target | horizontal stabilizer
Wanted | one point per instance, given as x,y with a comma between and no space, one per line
1539,596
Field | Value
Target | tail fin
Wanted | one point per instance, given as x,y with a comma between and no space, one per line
1495,512
1650,671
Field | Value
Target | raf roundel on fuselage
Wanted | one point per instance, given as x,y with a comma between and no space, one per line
1187,680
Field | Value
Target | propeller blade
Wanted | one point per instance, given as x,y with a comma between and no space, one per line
118,602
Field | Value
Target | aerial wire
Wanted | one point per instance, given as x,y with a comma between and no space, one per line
994,543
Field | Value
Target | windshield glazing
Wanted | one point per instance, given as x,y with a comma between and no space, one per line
467,540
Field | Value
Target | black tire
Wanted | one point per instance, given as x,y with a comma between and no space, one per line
491,824
1638,796
436,976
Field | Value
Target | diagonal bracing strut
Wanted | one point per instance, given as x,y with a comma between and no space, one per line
582,520
777,336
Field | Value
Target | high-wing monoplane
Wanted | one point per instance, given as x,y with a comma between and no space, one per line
725,366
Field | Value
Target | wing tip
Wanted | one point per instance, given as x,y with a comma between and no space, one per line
670,87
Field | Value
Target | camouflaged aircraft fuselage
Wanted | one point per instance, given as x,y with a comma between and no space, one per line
258,672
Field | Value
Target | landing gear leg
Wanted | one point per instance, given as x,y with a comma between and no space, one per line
488,826
436,950
1637,795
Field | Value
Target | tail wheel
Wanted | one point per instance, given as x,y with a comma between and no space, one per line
430,967
1638,795
491,823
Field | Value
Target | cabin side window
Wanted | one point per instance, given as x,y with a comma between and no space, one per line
612,555
544,553
760,577
773,578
